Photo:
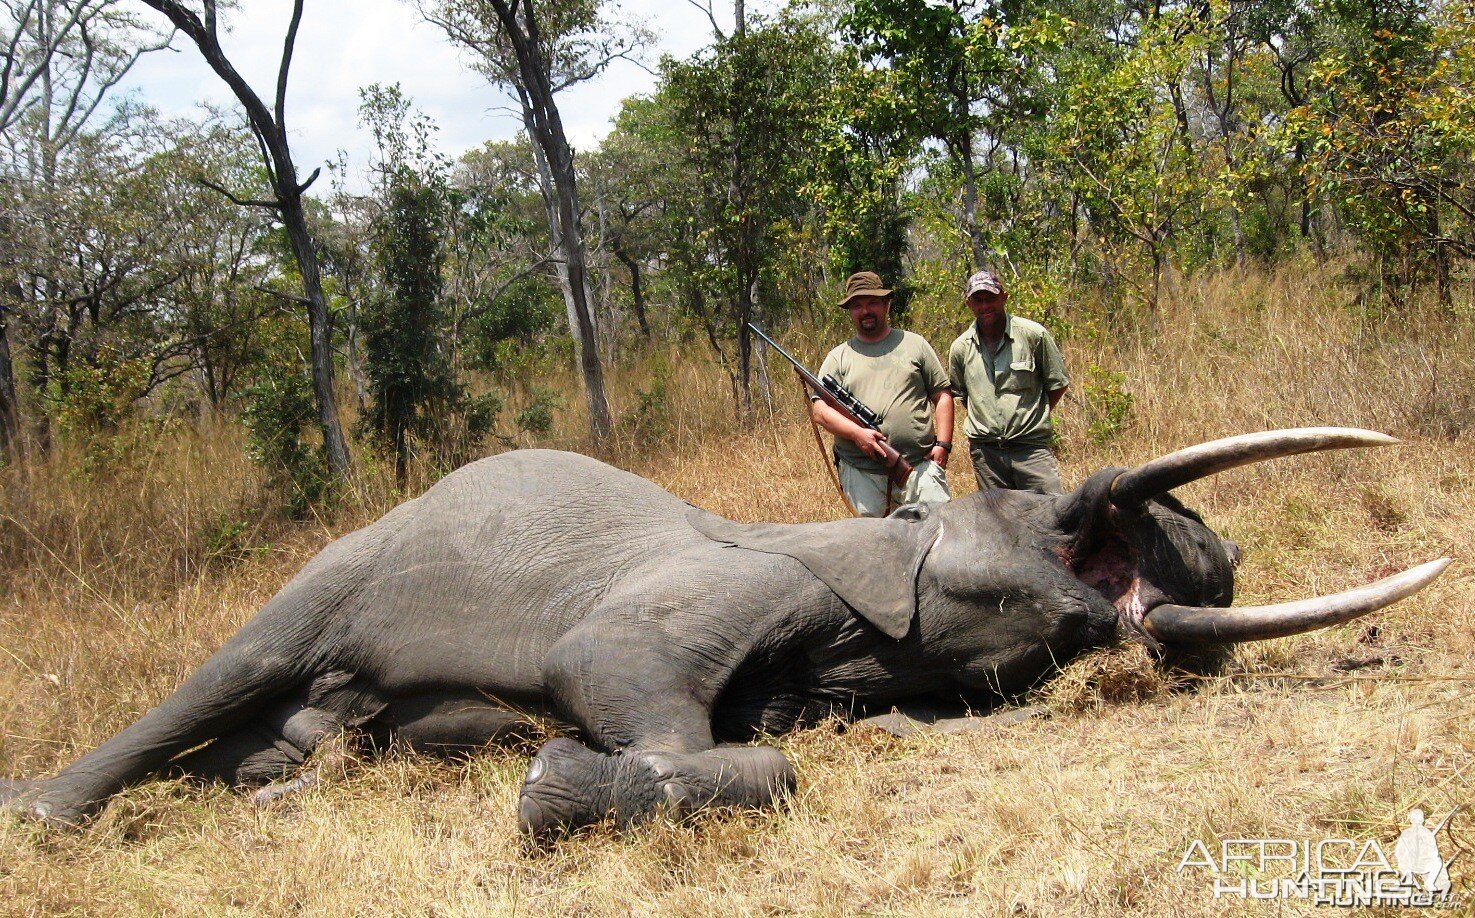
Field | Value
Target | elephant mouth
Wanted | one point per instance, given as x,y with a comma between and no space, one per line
1111,570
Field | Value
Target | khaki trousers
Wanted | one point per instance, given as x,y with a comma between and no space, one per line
1018,468
867,491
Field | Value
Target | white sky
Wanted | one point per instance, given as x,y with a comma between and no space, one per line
343,45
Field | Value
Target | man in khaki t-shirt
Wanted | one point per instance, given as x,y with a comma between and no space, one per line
897,375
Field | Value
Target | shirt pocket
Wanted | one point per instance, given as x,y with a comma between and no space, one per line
1021,377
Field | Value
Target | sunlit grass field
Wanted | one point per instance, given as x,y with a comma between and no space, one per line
118,583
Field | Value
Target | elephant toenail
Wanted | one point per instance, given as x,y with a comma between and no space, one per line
535,771
529,816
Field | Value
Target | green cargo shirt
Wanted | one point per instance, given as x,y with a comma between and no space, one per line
895,377
1007,394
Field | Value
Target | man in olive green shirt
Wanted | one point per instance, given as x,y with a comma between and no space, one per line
1010,373
897,375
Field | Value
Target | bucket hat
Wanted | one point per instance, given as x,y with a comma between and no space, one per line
863,283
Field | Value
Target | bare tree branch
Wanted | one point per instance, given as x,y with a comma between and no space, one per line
282,295
706,9
239,202
491,300
287,47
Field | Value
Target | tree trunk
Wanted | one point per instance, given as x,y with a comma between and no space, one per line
401,455
765,387
545,127
1180,114
970,202
555,231
637,291
11,445
1299,156
745,343
271,131
319,326
1440,255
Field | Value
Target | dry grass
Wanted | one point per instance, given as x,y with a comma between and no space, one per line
110,600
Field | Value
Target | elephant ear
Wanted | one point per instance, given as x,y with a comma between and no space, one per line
871,564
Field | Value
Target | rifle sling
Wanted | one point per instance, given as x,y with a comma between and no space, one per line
823,454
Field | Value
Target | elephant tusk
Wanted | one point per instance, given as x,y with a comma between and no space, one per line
1204,625
1136,486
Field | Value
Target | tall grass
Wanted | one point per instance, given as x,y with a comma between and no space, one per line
117,584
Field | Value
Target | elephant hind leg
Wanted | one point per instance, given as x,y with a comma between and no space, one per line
265,750
245,758
636,699
569,785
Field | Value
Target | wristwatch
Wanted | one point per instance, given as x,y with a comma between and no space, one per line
946,447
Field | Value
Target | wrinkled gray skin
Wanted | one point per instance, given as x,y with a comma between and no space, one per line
548,583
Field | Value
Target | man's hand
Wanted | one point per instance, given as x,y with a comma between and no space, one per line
870,442
940,455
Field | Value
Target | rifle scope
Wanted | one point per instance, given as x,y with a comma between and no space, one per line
845,397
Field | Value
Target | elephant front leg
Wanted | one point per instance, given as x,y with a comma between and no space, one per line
642,702
569,785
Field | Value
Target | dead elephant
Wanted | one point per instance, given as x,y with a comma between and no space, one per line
549,583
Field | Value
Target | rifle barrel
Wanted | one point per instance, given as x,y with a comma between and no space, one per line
775,345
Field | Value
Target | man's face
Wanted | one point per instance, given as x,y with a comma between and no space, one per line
987,307
870,314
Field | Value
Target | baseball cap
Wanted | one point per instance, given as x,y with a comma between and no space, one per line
985,282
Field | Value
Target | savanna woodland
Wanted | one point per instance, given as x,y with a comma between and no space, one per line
215,357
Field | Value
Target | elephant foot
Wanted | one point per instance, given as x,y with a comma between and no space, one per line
569,785
33,802
14,790
23,799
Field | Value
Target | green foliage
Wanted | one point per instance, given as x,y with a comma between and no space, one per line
279,412
1390,131
94,398
409,376
650,419
415,393
537,417
736,127
503,331
864,152
1108,403
228,541
1111,144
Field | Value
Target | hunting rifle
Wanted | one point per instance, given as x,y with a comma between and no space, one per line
829,391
